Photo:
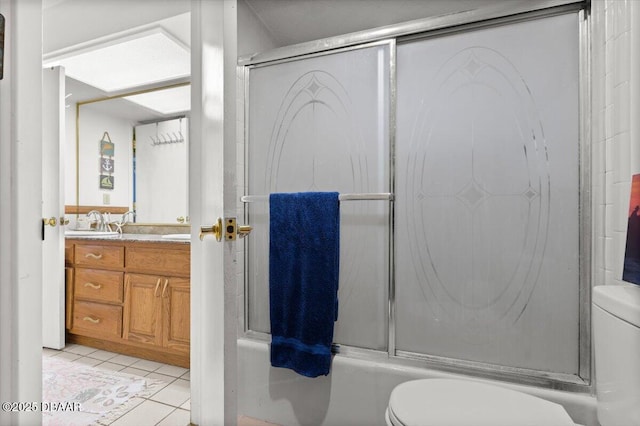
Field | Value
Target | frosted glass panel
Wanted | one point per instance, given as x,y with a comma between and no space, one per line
321,124
487,210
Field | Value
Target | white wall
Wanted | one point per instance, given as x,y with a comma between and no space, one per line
615,130
162,172
93,126
70,154
253,36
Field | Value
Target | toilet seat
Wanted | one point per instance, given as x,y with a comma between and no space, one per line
438,402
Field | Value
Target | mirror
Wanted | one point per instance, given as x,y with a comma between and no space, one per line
132,154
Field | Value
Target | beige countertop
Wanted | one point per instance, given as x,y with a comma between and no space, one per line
132,237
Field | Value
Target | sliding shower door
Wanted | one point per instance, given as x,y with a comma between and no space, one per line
487,208
322,124
477,134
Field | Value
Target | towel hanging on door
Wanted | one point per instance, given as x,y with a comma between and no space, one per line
304,252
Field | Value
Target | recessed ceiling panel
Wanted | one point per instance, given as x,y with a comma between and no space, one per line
169,101
143,60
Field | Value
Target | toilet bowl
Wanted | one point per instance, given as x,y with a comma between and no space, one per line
437,402
616,337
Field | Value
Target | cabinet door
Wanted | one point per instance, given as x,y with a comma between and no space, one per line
143,309
176,316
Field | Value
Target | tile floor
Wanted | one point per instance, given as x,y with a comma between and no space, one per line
169,406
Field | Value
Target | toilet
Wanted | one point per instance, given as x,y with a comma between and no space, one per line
616,336
438,402
616,325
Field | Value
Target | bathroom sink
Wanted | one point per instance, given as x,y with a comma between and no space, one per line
177,237
71,233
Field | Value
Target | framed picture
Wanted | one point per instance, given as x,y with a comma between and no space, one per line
106,182
107,148
1,45
107,165
631,271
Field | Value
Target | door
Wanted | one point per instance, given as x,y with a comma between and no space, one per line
53,134
21,210
212,180
142,321
487,214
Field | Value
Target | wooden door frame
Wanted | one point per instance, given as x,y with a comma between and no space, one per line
21,210
212,194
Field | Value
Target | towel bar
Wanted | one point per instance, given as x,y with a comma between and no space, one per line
385,196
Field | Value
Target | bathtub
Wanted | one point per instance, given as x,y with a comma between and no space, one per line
355,393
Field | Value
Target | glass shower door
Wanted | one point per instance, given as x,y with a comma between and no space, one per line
487,208
321,123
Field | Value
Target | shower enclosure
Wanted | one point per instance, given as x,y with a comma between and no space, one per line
479,263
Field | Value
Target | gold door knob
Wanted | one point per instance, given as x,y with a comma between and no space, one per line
180,219
51,221
215,229
63,221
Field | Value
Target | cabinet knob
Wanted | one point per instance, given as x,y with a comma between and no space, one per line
166,282
155,292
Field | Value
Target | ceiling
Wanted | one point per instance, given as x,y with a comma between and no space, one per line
286,21
100,67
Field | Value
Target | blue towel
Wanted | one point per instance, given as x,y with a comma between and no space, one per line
304,252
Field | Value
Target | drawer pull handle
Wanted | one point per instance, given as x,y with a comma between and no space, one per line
92,285
95,321
166,282
155,292
93,256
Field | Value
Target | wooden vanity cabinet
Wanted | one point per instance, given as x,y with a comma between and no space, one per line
157,307
131,297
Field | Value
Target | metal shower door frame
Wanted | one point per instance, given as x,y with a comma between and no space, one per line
427,28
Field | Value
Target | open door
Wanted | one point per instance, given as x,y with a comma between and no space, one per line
53,282
21,210
212,194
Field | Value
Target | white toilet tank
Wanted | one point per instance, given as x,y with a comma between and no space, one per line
616,327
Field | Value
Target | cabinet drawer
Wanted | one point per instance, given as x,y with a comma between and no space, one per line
101,286
97,319
158,261
97,255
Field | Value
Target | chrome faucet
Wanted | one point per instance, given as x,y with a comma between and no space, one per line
124,220
125,217
99,218
107,221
